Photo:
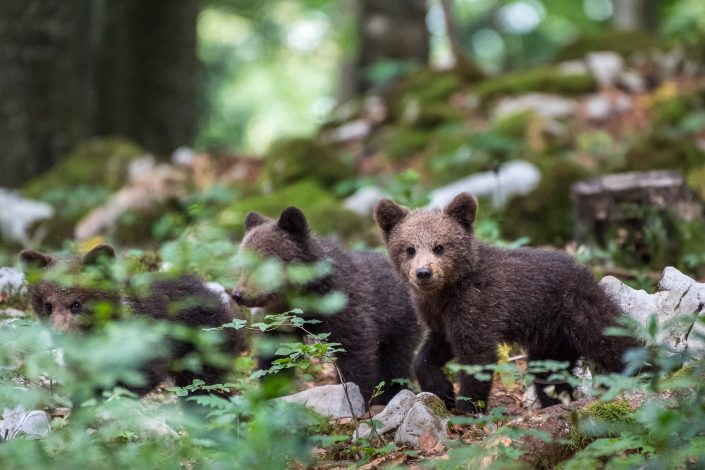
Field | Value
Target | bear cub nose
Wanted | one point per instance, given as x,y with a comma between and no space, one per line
423,274
237,296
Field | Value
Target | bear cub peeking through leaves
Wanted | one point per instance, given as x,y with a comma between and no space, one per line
473,296
183,300
377,327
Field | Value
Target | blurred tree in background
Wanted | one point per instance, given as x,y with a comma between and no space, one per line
72,69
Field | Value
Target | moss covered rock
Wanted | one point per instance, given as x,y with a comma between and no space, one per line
325,214
600,419
696,181
546,79
400,143
423,99
545,215
660,150
619,41
81,181
99,162
293,159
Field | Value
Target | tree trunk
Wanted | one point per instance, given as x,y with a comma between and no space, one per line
390,30
634,14
148,70
73,69
42,60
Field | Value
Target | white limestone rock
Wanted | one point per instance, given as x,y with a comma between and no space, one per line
514,178
427,416
541,104
18,422
330,400
605,66
364,199
391,417
11,281
678,305
18,214
219,289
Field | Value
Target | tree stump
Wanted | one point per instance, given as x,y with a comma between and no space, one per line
641,212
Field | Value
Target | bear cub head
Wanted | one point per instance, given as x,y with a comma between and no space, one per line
71,305
430,249
287,239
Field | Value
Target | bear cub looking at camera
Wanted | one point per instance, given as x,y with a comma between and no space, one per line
182,300
377,327
473,296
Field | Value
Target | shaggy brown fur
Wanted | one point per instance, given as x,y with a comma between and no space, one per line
184,300
473,296
377,328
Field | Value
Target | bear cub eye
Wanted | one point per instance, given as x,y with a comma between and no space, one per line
48,308
410,250
75,308
438,249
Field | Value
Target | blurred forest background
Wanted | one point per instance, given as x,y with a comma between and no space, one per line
260,104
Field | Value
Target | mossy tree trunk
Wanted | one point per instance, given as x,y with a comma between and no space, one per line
42,78
389,30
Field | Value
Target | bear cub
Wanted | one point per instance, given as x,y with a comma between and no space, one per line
377,328
183,300
473,296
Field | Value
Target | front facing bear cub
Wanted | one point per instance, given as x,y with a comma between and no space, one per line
82,306
377,328
473,296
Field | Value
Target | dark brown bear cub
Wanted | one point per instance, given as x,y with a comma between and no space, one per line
377,328
183,300
473,296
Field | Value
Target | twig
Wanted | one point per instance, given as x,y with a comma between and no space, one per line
340,376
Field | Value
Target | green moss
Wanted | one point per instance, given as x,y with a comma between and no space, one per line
81,181
399,143
324,213
138,227
429,115
545,214
292,159
546,79
99,162
600,419
671,110
513,125
663,151
696,180
422,100
436,405
427,85
619,41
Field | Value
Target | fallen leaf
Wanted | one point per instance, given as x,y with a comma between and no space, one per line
427,443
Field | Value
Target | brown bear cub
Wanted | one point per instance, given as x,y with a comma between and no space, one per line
183,300
377,328
473,296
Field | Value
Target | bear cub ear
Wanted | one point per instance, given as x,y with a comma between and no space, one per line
99,253
388,215
462,209
253,219
293,221
35,259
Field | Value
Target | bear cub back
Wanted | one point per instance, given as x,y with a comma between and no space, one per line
377,327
